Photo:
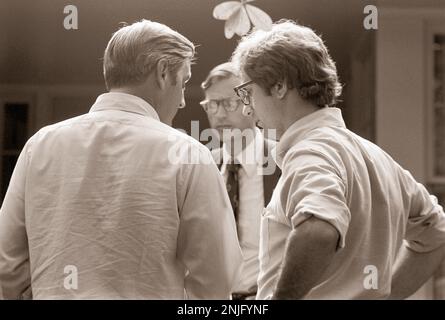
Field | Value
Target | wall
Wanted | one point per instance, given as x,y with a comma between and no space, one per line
359,90
402,90
400,96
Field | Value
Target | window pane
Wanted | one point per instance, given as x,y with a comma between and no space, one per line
439,105
16,118
8,167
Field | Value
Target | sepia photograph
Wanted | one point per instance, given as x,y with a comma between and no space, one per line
236,151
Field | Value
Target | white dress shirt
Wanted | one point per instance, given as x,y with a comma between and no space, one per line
251,206
331,173
97,198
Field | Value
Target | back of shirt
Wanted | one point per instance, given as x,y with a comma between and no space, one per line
380,205
331,173
119,205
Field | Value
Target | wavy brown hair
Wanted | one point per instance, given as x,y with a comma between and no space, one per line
293,54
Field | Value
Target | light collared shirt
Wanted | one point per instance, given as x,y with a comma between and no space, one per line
251,205
97,209
334,175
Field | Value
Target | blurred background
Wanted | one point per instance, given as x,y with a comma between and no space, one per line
393,77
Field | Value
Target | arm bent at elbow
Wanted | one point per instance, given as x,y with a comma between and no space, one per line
310,249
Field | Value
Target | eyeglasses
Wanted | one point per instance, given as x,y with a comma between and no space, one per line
211,106
243,93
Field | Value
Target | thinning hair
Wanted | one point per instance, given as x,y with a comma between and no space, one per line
292,54
134,51
220,72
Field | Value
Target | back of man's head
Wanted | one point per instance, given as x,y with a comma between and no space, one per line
134,50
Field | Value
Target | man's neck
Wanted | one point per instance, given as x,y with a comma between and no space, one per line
294,114
140,91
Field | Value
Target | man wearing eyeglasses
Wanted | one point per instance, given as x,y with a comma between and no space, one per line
243,160
343,210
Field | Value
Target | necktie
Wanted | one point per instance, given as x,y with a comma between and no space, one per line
233,187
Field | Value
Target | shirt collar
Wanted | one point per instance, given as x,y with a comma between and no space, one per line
124,102
249,158
325,117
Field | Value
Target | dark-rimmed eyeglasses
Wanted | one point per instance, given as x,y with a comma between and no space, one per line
243,93
211,106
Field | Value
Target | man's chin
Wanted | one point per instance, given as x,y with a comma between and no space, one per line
224,131
228,134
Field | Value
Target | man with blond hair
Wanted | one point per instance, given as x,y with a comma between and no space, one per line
343,208
97,208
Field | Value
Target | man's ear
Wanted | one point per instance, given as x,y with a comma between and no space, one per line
161,73
248,111
279,90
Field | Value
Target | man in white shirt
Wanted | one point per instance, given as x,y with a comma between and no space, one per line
109,205
343,210
246,164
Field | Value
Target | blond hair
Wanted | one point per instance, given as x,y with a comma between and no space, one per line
134,50
293,54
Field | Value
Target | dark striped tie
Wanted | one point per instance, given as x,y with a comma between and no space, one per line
233,187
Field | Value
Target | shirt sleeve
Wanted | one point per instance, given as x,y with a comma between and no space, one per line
425,229
15,279
313,186
207,242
